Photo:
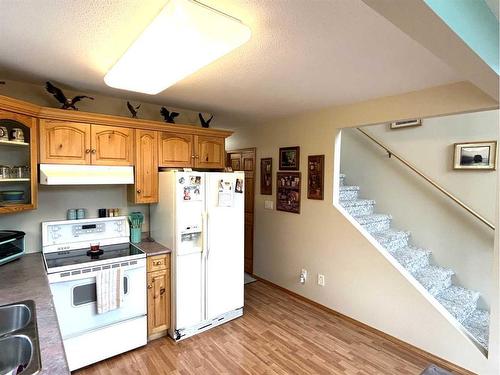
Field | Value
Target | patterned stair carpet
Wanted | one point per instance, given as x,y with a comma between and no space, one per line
459,301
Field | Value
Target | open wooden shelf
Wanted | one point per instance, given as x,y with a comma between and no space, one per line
16,208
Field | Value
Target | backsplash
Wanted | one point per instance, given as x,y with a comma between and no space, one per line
53,201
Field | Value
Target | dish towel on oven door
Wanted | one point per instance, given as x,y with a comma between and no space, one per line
109,289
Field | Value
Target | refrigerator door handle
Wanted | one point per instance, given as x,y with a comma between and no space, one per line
204,228
206,235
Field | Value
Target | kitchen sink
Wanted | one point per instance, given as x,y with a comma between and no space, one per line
16,352
19,347
13,318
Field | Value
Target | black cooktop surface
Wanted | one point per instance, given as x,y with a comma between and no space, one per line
79,256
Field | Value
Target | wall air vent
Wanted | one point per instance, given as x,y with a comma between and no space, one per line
405,123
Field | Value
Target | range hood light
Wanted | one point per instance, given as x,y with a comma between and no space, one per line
183,38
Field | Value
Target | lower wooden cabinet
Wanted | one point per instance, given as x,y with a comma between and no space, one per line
158,285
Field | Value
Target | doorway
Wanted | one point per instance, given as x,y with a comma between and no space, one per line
244,160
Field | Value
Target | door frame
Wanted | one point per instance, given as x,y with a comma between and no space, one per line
228,164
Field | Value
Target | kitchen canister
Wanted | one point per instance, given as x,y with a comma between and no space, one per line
80,213
71,214
136,219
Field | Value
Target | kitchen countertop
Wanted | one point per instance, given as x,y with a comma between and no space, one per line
152,248
24,279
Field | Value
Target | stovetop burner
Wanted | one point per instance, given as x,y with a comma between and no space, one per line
94,254
81,257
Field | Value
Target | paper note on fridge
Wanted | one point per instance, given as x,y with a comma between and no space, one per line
225,193
192,190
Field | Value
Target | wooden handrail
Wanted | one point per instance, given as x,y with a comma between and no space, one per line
429,180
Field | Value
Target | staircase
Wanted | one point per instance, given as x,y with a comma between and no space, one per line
459,301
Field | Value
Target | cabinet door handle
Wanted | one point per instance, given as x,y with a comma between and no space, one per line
157,262
162,291
138,191
93,150
193,157
87,151
150,286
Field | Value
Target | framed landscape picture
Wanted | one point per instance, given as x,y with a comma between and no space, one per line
475,155
288,192
315,176
289,158
266,176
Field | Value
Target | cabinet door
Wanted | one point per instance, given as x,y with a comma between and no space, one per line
176,150
20,153
146,167
64,142
209,152
112,145
158,301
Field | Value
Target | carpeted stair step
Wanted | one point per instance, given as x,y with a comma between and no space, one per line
460,302
359,207
477,324
392,239
412,258
433,278
375,222
348,193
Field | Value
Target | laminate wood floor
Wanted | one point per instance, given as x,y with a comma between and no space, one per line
278,334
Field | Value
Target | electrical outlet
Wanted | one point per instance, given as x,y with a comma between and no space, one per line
321,279
268,205
303,276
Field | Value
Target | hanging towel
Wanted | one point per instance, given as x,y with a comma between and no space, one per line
109,289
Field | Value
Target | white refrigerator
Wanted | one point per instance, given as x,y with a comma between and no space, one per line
200,216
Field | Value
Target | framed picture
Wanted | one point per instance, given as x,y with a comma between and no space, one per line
475,155
266,176
288,192
405,124
290,158
315,176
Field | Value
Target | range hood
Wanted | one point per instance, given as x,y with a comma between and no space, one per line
63,174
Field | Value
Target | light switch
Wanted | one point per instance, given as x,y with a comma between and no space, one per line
268,205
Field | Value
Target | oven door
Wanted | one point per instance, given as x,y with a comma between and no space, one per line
76,306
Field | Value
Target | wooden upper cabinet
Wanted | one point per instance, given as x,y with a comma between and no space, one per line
112,145
176,150
146,167
64,142
209,152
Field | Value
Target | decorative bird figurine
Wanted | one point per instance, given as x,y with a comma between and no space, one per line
61,98
168,116
133,110
205,124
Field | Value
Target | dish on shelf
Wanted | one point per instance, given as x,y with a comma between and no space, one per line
12,196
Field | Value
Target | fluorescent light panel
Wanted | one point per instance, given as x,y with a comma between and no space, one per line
183,38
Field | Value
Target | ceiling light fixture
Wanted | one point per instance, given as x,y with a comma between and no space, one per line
183,38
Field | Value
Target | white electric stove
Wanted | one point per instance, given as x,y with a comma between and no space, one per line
72,268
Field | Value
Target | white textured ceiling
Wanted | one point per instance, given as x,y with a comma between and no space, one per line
303,55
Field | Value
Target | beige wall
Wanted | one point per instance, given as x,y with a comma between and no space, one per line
418,207
360,281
